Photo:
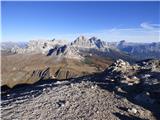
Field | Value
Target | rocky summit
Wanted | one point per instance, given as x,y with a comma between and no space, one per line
123,73
123,91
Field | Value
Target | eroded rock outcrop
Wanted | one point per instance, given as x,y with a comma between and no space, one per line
143,77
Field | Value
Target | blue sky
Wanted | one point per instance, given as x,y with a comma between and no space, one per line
110,21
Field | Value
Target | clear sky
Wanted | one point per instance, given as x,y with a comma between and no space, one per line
110,21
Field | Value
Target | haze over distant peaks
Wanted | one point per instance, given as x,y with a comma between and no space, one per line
82,46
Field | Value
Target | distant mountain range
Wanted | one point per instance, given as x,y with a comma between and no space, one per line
83,46
8,46
139,50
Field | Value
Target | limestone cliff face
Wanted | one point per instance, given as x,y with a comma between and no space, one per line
91,43
39,46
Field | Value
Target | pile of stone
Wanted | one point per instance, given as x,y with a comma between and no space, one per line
124,73
150,64
142,79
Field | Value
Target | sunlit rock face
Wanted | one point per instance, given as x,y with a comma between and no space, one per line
91,43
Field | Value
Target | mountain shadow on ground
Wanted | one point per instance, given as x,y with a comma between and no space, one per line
32,90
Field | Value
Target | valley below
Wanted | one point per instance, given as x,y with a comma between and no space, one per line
28,69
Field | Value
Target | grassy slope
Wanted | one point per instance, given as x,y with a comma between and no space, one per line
18,69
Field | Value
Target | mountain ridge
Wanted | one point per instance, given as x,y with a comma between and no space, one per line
82,46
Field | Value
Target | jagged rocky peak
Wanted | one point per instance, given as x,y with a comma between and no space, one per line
72,53
98,42
120,44
66,51
45,43
122,41
59,41
93,38
81,38
56,48
40,46
93,42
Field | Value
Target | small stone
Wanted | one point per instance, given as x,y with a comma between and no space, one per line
72,85
61,103
122,113
134,77
94,87
132,110
123,81
136,82
147,93
130,84
125,100
52,76
112,80
44,89
119,89
147,75
32,96
8,95
58,82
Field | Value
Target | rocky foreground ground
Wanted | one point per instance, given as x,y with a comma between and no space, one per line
123,91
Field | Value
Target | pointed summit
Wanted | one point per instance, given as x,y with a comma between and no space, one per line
122,42
93,38
91,43
81,38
